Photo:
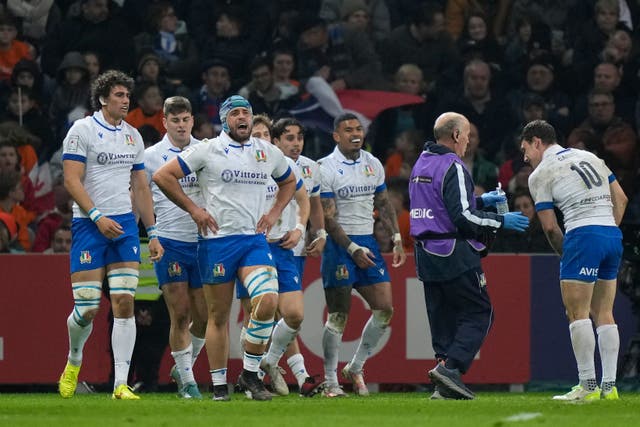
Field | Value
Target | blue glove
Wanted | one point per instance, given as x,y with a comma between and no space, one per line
515,221
493,197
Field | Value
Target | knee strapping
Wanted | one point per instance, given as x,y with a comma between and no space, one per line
382,318
337,322
86,297
262,280
123,281
259,331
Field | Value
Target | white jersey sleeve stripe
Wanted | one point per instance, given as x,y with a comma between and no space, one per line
465,203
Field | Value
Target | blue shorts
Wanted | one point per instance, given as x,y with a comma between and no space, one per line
590,253
288,277
339,269
178,264
219,259
91,250
300,260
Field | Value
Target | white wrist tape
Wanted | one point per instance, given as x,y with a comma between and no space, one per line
94,214
397,238
353,247
321,234
301,227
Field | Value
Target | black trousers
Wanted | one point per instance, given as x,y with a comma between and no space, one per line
460,316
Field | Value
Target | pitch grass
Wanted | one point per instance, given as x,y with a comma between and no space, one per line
378,410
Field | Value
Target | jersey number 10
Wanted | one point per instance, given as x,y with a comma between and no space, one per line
587,173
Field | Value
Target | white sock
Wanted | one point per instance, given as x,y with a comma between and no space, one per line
296,364
583,341
183,360
78,336
281,337
371,334
219,376
123,339
251,362
609,346
331,347
197,344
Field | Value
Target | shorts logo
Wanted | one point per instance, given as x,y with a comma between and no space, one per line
102,158
261,156
306,172
128,139
589,271
368,171
342,273
85,257
218,270
175,269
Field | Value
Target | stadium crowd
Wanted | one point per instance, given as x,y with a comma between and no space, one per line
500,63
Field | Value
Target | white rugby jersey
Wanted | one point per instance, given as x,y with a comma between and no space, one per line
109,153
575,181
289,217
171,221
233,180
311,176
353,185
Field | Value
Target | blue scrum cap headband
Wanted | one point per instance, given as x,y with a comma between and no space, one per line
235,101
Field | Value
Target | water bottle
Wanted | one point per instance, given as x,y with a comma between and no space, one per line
502,207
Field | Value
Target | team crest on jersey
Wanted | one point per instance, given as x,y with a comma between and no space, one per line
342,273
174,269
128,139
261,156
368,171
85,257
306,172
218,270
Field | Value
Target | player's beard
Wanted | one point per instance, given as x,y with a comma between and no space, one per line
236,137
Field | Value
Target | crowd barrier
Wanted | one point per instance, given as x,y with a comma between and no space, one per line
529,339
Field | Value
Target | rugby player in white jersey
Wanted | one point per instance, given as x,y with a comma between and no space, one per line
288,234
352,185
592,203
103,160
177,272
233,173
288,135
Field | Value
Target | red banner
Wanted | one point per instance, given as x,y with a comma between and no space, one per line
36,300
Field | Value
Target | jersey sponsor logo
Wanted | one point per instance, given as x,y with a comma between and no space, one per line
244,177
368,171
355,190
72,146
306,172
418,213
218,270
342,273
128,139
115,158
175,269
589,271
85,257
261,156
